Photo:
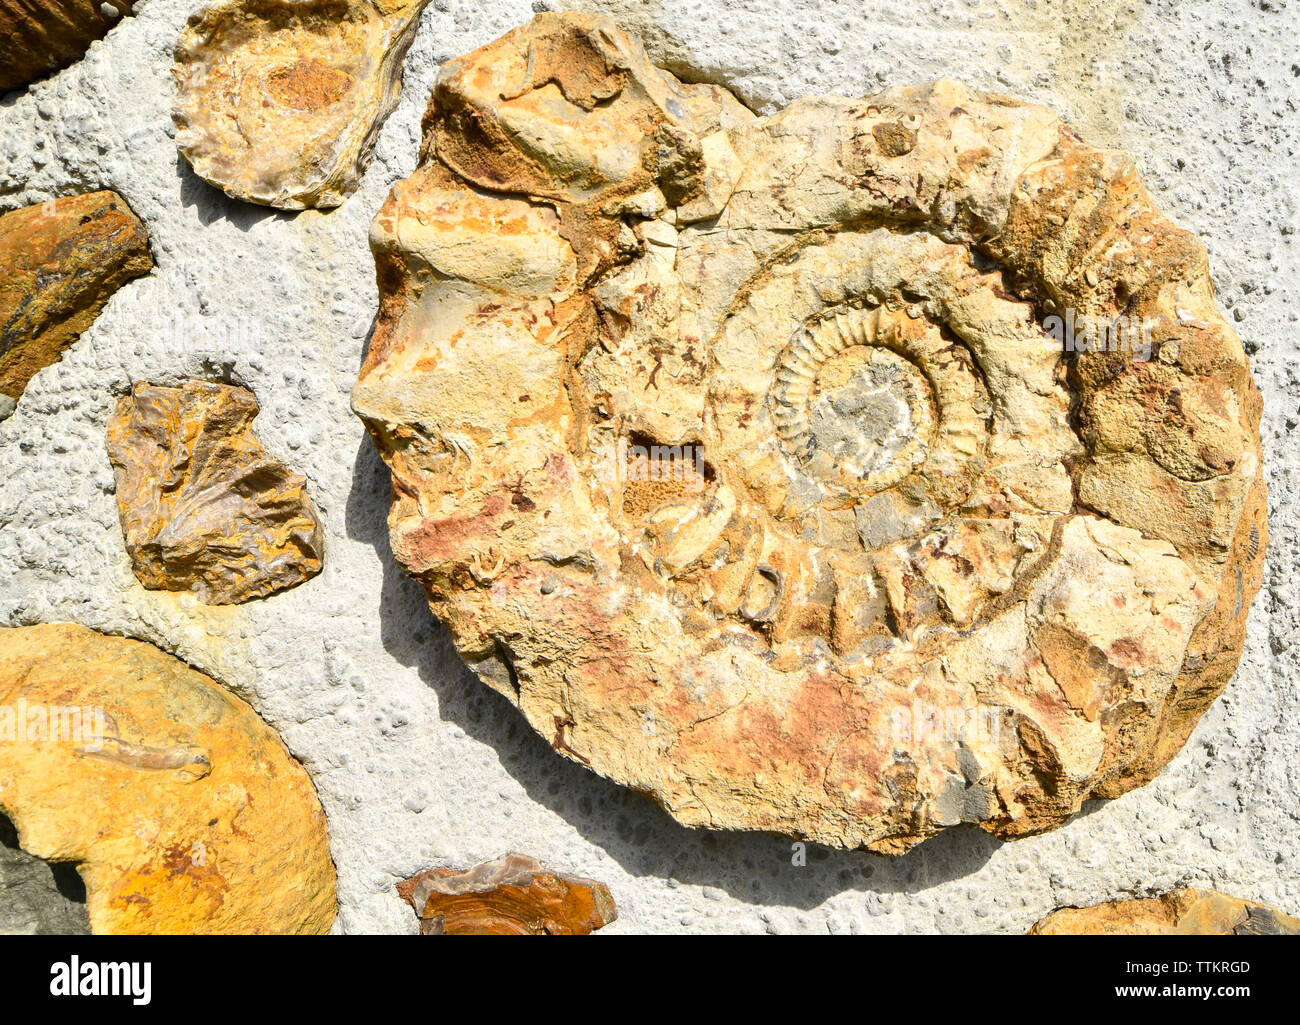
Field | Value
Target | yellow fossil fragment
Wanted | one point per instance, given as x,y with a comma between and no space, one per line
1190,912
200,822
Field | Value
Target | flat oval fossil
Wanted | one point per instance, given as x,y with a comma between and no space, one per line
874,467
515,895
280,103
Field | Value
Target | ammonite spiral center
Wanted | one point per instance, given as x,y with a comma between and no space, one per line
870,425
868,418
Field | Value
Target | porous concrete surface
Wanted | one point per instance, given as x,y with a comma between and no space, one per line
417,763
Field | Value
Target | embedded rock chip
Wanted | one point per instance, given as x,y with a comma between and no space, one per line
1179,913
203,507
183,810
36,897
60,263
280,103
874,467
512,896
40,36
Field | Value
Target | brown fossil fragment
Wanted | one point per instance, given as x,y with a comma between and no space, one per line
203,507
512,896
280,103
1190,912
870,468
182,809
40,36
60,262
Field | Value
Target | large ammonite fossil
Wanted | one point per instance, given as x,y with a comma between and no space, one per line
873,467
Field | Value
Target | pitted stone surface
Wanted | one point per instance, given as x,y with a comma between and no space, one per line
909,496
38,898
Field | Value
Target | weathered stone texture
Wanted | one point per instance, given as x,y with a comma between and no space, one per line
36,897
734,452
280,104
1180,913
204,508
512,896
60,262
40,36
183,810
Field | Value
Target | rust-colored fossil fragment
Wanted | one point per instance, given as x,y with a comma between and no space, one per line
280,103
867,469
1188,912
203,507
512,896
183,810
40,36
60,262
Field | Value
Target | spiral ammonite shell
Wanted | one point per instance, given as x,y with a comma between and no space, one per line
756,460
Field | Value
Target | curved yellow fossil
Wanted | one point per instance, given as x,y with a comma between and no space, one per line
182,808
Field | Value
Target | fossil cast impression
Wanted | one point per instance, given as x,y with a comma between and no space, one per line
733,450
203,506
183,810
279,101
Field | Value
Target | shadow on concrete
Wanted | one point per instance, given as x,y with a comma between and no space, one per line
211,205
753,867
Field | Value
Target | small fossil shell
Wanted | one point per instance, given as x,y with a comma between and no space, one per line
279,103
512,896
203,507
